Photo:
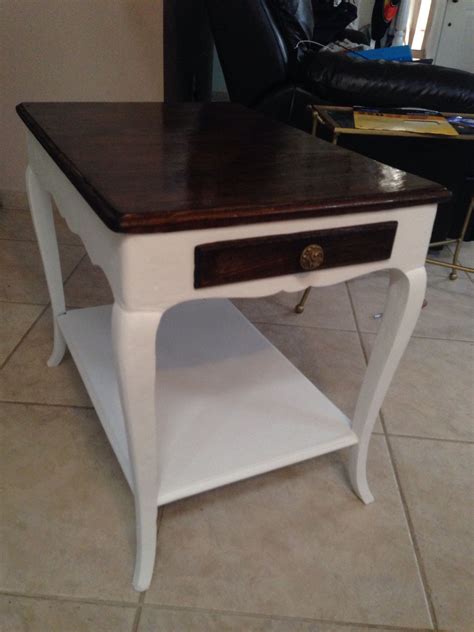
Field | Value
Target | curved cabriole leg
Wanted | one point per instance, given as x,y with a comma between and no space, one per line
43,221
405,298
134,342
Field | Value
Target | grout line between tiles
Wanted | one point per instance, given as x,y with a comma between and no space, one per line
444,339
351,331
271,617
23,303
274,324
79,600
411,528
440,440
351,301
138,613
354,316
38,317
139,605
375,432
21,402
90,600
70,306
9,355
28,241
61,243
268,322
418,337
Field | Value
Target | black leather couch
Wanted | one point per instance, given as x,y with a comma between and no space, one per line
256,42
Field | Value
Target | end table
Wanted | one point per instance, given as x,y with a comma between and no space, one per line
183,206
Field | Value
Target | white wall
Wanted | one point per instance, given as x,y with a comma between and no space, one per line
73,50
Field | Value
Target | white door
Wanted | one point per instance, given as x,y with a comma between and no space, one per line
456,42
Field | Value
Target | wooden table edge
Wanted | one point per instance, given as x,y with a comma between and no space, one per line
181,220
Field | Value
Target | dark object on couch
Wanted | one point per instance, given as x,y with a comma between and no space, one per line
330,21
266,68
383,14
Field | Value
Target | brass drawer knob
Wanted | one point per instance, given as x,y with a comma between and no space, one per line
311,257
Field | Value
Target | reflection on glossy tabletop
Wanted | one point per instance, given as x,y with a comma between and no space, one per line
153,167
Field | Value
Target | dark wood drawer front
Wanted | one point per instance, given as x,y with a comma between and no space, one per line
261,257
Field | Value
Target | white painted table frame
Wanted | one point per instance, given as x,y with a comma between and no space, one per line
151,273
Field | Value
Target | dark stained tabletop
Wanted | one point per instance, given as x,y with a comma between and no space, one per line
153,167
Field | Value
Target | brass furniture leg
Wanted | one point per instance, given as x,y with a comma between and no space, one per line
455,266
454,274
299,309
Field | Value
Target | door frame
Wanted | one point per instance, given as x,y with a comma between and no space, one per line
438,12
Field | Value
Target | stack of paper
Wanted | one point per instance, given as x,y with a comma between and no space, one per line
403,120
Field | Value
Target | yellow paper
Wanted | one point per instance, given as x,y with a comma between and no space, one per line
414,123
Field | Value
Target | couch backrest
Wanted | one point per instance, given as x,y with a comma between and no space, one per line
252,51
295,19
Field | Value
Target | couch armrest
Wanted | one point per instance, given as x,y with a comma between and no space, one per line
346,80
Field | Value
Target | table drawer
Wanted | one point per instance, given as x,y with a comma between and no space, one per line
262,257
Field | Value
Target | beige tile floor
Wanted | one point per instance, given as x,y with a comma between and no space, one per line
290,551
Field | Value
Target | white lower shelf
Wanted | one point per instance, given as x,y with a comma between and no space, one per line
230,405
